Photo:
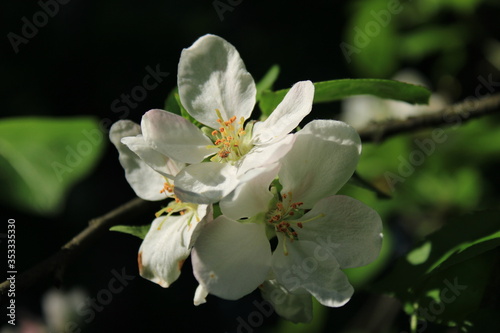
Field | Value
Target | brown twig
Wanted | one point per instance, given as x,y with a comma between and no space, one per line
451,115
55,264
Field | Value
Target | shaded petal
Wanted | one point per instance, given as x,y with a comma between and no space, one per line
168,244
310,267
322,159
205,183
159,162
296,307
211,75
231,259
175,137
252,196
200,295
264,155
350,230
146,182
287,116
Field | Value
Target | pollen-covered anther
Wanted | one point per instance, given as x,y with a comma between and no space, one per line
214,132
167,187
224,153
276,218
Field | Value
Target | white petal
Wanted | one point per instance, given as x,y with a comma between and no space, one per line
296,307
206,182
231,259
252,196
264,155
167,245
349,229
200,295
146,182
175,137
307,266
159,162
211,76
287,116
322,159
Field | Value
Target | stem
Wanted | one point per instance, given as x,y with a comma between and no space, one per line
450,115
56,264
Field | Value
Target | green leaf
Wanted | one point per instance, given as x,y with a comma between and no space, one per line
266,83
329,91
171,103
42,157
184,112
460,254
134,230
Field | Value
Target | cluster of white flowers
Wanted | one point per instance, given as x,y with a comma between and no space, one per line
267,181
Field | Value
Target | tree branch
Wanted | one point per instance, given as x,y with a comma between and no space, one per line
55,264
451,115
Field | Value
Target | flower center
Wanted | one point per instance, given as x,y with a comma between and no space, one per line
285,214
281,217
175,206
231,139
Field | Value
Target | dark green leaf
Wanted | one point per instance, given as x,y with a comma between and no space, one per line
41,158
138,230
328,91
461,253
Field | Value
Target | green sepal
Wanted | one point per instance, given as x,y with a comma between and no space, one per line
137,230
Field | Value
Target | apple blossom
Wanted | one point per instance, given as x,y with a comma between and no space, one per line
170,238
319,233
217,91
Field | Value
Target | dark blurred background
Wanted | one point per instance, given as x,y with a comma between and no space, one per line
92,52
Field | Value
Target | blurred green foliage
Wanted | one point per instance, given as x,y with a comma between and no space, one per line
42,157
